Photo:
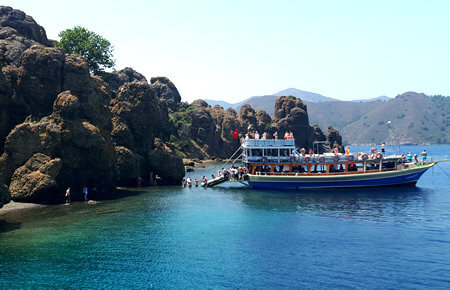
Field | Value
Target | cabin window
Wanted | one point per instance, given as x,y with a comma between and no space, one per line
352,167
320,168
336,168
256,152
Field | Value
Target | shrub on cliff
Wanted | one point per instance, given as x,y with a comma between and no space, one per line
94,48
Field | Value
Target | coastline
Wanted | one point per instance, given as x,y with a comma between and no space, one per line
13,206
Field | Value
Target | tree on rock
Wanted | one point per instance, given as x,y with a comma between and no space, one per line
94,48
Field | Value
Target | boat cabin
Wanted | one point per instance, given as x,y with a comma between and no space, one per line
280,157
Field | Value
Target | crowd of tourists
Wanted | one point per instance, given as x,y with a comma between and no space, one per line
288,135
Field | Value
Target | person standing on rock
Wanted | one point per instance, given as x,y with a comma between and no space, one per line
151,177
68,195
85,193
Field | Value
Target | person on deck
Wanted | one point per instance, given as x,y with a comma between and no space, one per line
311,152
409,157
264,136
347,150
336,150
246,136
291,135
382,149
275,135
256,135
303,151
415,159
424,156
286,135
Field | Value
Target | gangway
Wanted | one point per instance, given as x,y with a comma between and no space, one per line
215,181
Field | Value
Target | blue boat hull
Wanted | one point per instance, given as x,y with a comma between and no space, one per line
403,177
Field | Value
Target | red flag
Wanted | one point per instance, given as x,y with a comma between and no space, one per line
235,134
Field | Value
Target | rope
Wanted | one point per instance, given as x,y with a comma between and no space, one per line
239,156
443,170
218,166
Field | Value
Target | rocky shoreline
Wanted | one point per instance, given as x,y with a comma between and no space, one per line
62,126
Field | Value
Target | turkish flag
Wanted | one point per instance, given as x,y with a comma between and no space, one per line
235,134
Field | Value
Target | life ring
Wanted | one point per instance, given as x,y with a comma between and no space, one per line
336,158
307,159
264,160
364,157
350,157
321,159
292,159
379,155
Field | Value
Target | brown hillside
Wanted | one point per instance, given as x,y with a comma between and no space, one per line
415,117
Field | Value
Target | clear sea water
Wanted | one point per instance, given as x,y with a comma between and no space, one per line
170,237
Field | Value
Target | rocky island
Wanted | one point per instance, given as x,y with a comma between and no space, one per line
61,125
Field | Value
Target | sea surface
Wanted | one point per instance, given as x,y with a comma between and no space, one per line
174,237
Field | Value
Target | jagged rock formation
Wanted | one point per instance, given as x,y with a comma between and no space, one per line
166,91
24,24
291,114
52,109
36,180
85,154
210,129
127,75
253,121
5,196
334,138
138,118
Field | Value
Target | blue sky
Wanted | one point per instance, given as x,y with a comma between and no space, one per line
231,50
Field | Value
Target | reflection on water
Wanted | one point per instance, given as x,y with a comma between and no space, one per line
375,203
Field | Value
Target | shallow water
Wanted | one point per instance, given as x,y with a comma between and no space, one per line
226,237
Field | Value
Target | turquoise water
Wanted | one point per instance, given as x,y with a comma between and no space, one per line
222,237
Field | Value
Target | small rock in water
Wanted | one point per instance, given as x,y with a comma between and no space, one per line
92,202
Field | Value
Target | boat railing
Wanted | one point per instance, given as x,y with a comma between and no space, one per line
269,142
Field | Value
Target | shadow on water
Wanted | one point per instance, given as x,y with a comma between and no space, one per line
6,226
350,202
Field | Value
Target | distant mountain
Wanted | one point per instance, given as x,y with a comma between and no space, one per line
304,96
381,98
267,102
223,104
417,118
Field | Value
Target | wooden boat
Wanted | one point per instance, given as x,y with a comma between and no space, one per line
277,164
